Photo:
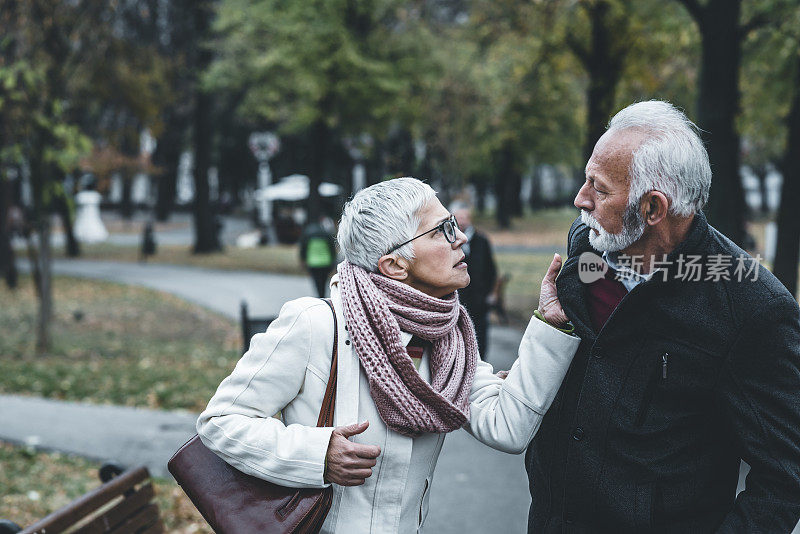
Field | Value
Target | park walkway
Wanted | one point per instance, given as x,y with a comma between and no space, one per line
476,489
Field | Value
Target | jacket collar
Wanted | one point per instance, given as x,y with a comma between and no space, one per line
572,292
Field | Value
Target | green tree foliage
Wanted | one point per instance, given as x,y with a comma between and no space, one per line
771,119
37,134
332,67
71,73
506,94
724,25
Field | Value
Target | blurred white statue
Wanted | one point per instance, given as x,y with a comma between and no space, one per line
89,227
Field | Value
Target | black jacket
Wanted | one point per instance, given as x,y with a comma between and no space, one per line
624,449
482,275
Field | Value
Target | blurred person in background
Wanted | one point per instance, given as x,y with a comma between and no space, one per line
408,371
318,253
482,274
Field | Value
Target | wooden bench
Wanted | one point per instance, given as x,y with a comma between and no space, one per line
252,326
122,505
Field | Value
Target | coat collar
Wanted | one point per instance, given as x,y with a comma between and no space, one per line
405,337
572,292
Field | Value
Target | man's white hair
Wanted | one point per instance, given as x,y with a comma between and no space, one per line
380,217
672,158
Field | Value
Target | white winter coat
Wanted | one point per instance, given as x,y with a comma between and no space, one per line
286,370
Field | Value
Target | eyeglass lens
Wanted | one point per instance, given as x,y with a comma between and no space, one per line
449,228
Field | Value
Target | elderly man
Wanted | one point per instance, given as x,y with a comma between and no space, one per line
689,360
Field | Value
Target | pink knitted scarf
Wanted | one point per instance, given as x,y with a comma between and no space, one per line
376,309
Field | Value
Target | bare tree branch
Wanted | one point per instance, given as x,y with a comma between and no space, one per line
695,9
758,21
580,51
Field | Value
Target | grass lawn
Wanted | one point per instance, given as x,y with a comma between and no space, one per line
34,484
522,292
544,228
115,344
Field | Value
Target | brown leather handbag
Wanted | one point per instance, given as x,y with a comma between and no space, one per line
236,503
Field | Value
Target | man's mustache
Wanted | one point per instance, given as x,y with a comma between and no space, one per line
589,220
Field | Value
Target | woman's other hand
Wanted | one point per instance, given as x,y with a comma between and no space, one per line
348,463
549,305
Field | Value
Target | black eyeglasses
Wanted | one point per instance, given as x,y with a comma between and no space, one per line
448,228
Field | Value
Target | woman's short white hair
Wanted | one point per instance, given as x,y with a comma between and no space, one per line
672,158
380,217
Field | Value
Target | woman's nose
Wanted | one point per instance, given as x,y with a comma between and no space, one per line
461,238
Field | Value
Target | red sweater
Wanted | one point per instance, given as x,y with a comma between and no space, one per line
604,296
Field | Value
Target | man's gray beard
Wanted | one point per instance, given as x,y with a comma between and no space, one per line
632,229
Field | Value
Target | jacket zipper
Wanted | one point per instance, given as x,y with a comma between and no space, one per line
644,408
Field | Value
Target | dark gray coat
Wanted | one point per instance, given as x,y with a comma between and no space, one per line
482,274
624,449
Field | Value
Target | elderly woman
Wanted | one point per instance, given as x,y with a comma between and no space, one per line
396,290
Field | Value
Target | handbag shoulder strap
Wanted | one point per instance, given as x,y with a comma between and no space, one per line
329,401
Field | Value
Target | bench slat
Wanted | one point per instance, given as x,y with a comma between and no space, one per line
61,519
143,519
158,528
109,519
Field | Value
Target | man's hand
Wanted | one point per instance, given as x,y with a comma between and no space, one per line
348,463
548,297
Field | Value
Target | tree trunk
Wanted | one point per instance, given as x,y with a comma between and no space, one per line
320,142
168,157
126,203
43,341
787,250
62,207
505,178
515,194
205,223
480,193
8,265
717,107
760,171
604,67
41,258
535,201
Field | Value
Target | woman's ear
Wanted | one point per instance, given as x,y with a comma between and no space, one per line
656,207
393,266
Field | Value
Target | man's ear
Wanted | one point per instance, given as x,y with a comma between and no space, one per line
656,207
393,266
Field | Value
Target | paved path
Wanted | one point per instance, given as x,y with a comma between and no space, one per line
476,489
221,291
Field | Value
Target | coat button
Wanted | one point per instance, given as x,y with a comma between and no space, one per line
569,518
346,341
577,434
598,354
